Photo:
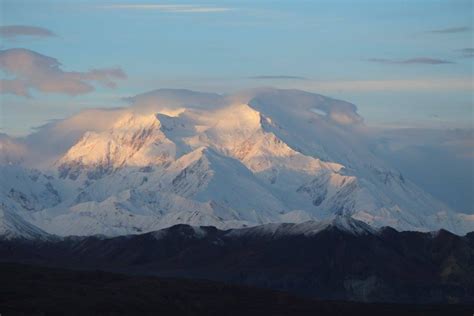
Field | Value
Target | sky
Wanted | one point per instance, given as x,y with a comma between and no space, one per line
403,63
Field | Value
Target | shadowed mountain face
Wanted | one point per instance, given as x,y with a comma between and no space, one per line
340,260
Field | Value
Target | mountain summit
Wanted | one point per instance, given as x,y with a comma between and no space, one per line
178,156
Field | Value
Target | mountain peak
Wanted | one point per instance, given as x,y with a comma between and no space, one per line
263,156
134,140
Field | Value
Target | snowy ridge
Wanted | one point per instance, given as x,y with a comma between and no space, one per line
309,228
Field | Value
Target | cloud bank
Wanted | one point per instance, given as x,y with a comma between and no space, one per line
411,61
14,31
33,71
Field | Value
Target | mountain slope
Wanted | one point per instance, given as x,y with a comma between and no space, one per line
13,226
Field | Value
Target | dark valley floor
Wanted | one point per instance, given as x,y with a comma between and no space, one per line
34,290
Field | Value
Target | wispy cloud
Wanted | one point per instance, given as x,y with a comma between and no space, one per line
411,61
278,77
33,71
171,8
401,85
14,31
458,29
466,52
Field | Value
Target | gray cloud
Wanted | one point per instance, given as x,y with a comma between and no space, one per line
281,77
34,71
170,8
466,52
14,31
411,61
458,29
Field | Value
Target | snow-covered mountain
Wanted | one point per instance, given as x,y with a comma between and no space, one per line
177,156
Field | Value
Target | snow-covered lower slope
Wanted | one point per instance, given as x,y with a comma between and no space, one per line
257,157
13,226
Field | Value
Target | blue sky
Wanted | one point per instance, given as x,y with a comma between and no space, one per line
403,63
